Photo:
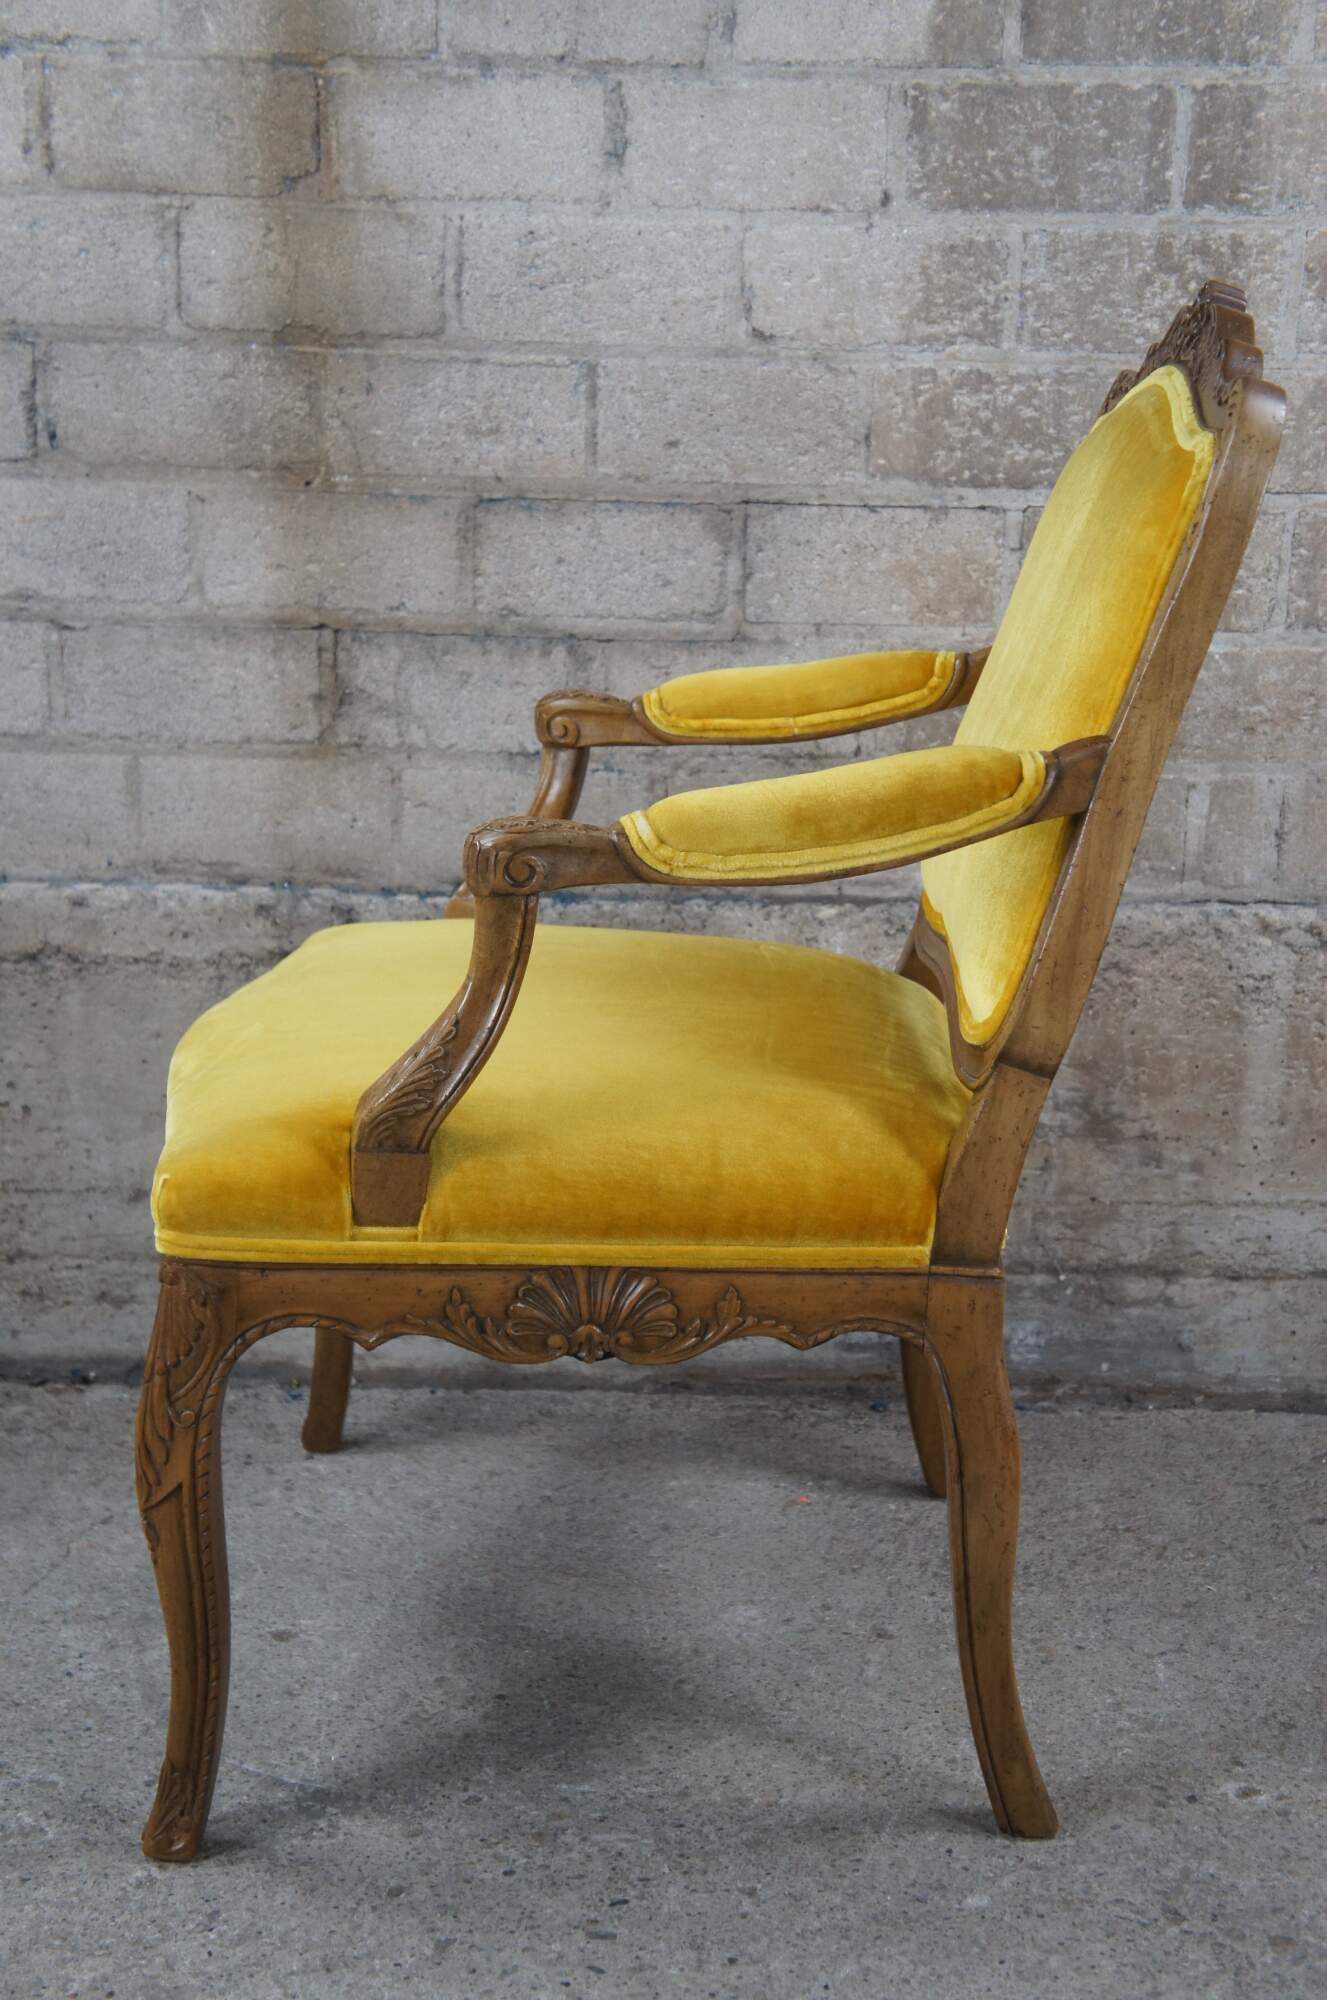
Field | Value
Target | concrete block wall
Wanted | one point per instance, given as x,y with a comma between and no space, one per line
366,370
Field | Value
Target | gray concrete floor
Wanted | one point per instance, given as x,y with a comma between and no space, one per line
541,1690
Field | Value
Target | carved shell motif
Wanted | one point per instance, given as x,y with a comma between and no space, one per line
592,1313
596,1312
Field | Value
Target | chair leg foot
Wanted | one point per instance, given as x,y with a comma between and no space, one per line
179,1496
928,1433
965,1336
329,1390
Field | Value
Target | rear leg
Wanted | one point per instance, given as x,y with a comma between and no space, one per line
965,1341
924,1415
329,1390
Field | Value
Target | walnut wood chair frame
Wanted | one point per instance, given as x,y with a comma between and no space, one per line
949,1317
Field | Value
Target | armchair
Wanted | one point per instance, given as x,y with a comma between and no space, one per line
599,1147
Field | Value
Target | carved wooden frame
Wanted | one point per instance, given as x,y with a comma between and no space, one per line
948,1317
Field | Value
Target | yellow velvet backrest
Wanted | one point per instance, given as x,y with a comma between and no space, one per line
1089,587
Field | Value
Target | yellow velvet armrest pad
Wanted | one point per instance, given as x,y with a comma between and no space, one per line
876,814
810,697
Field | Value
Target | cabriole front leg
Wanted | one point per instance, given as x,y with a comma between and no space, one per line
179,1497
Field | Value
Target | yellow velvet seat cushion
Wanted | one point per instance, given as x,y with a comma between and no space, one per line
852,691
1085,598
878,813
655,1099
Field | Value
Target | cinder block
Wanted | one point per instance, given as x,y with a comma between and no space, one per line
1139,31
81,20
970,32
1257,145
181,127
1301,465
576,565
276,818
1006,145
837,284
571,30
981,426
1233,835
293,554
403,132
77,816
401,419
1308,569
1214,1331
441,803
335,271
17,427
1254,599
1158,864
1263,699
86,261
1182,1102
314,29
1257,1239
767,423
564,275
877,566
248,408
80,541
1313,313
20,146
449,693
191,684
1139,277
1303,847
24,707
756,142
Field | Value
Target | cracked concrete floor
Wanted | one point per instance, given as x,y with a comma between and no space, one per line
545,1690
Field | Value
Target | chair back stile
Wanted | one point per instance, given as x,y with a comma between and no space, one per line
1011,1070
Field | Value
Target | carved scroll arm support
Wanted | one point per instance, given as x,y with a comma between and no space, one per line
508,863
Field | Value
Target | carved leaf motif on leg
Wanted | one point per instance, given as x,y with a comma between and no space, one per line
178,1358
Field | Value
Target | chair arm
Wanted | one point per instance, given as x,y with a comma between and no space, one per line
783,704
846,821
854,819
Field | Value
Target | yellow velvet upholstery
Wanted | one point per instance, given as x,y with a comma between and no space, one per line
1090,585
655,1099
878,813
808,698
